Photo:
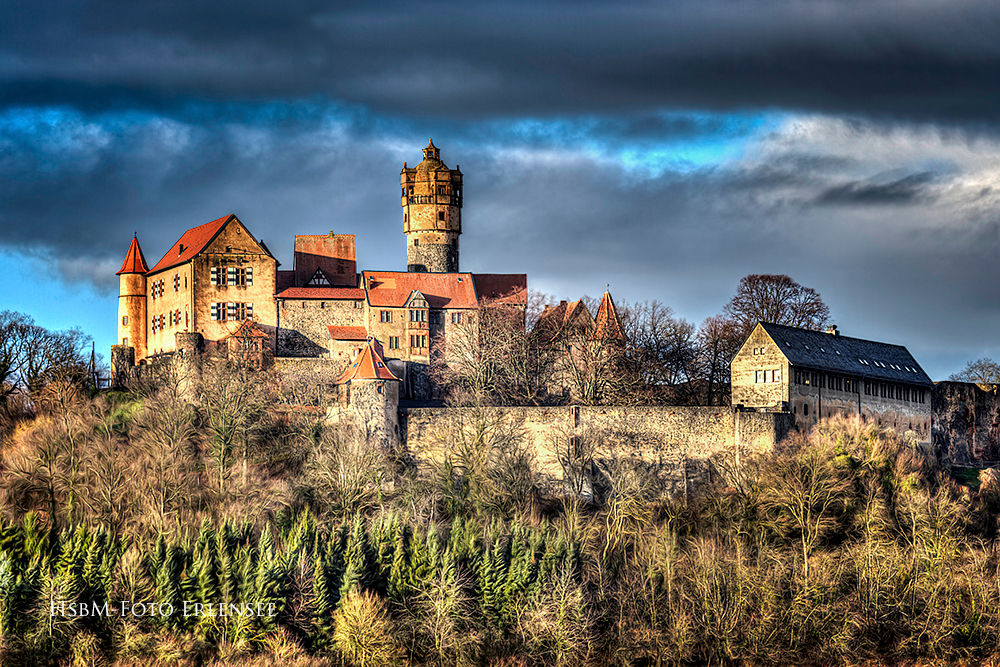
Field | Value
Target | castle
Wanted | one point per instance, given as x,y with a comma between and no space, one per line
217,276
218,284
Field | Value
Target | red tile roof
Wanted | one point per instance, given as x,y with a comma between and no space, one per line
443,290
193,241
608,325
555,319
327,293
134,261
509,288
368,365
347,333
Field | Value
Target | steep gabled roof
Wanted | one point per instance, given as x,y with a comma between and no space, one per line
442,290
607,324
193,241
368,365
507,288
134,260
555,320
347,333
851,356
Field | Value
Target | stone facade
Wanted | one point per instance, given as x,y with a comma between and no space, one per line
816,375
431,196
677,443
215,277
966,428
303,325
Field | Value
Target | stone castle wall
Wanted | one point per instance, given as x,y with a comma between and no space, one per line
966,425
302,325
676,443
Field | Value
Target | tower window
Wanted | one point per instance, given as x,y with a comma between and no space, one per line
440,215
125,320
416,241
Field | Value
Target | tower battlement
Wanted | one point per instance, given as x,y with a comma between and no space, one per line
431,197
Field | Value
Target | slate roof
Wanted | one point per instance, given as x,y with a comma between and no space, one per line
508,288
347,333
851,356
134,261
327,293
442,290
368,365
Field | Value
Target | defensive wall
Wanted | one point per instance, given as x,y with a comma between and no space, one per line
677,443
965,429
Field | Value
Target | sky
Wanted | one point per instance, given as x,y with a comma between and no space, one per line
664,148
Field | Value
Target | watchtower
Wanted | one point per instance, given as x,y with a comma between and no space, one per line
132,300
431,195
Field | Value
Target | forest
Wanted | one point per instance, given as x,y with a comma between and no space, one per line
128,516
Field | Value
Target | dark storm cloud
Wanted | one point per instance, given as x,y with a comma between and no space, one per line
906,190
914,58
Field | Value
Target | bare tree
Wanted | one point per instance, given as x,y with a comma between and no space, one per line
718,341
985,372
777,299
491,360
234,398
32,357
663,347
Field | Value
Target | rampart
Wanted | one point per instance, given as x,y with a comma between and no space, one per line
675,442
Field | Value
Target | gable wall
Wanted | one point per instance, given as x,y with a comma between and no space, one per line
746,390
242,252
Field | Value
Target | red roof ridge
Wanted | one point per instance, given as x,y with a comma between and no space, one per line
347,333
134,260
192,242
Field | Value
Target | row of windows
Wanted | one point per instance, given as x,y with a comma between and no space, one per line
232,275
758,350
769,376
385,316
895,391
232,311
156,323
852,385
418,341
156,289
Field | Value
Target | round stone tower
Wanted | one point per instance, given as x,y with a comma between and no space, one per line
132,301
431,194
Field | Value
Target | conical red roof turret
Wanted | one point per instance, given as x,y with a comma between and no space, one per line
368,365
608,325
134,261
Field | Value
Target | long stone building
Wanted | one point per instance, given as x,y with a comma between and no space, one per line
814,375
217,275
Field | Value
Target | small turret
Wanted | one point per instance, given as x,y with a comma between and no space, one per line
132,300
431,196
371,391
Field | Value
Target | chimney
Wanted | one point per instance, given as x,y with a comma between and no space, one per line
832,330
562,303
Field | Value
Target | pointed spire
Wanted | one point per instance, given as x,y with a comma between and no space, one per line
608,324
134,261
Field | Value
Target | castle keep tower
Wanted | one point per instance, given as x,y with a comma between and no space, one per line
132,300
431,196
